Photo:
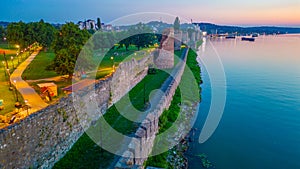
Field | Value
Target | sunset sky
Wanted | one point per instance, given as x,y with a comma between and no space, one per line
230,12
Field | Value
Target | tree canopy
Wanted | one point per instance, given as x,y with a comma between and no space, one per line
25,34
177,24
2,33
99,23
139,35
67,45
104,40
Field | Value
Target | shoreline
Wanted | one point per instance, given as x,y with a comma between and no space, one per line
176,156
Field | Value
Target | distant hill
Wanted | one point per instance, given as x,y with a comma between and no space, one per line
4,24
213,29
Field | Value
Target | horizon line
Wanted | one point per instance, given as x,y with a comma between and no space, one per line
197,22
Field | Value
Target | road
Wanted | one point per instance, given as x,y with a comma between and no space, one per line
34,100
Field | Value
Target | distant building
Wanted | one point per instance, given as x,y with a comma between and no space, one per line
89,24
108,27
81,25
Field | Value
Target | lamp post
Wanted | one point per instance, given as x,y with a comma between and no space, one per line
12,61
15,82
4,68
5,41
5,60
21,54
26,104
8,74
113,61
18,47
18,57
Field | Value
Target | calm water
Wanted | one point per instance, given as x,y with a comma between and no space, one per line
260,127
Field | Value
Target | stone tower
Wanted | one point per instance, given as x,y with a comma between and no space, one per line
164,55
178,39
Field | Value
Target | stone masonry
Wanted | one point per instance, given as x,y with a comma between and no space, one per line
164,56
141,145
44,137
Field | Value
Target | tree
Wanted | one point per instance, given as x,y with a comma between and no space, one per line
2,33
15,33
103,40
143,40
67,46
26,34
45,33
177,24
99,23
140,35
91,26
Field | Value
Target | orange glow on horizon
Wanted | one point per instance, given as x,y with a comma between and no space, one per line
248,16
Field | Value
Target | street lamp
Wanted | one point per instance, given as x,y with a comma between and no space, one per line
4,68
12,61
18,57
18,47
26,104
15,82
5,60
8,74
5,41
113,61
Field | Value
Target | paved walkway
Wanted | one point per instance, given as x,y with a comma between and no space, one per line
34,100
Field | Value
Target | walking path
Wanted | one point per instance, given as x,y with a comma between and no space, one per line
34,100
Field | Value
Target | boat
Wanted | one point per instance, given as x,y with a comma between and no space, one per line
230,37
248,39
254,35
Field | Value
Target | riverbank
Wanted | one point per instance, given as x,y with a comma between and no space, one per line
175,156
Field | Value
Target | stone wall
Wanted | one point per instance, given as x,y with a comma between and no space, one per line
44,137
177,39
142,142
128,75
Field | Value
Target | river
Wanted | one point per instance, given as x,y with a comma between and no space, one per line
260,126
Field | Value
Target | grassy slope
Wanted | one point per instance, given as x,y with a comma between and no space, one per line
169,116
85,153
119,55
37,68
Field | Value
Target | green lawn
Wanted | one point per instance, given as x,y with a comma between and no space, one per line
37,68
9,97
83,153
5,45
118,55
